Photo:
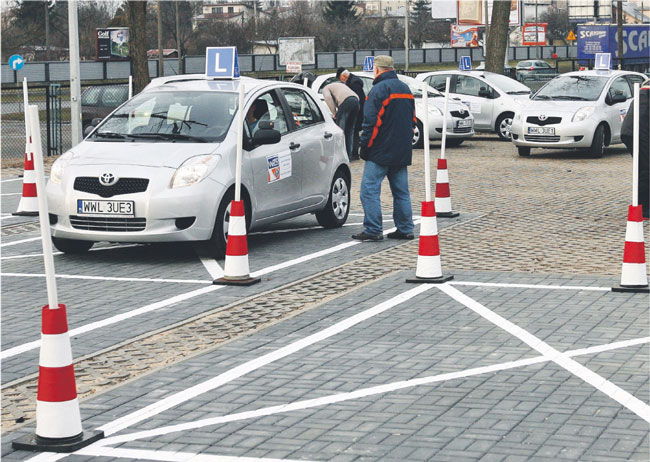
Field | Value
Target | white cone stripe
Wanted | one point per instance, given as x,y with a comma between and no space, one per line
55,350
58,420
443,204
428,267
428,226
236,265
634,231
29,176
442,176
634,274
237,226
28,204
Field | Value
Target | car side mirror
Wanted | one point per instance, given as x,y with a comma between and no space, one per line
266,133
484,93
618,97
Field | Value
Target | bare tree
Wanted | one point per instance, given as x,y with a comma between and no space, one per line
498,37
137,13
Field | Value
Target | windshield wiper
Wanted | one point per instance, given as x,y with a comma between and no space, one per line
571,98
169,136
110,135
542,97
519,92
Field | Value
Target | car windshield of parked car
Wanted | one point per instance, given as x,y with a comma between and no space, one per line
203,117
416,87
573,88
510,86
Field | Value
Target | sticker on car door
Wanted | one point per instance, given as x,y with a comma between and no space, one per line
279,167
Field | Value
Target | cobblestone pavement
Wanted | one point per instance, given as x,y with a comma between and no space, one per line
556,218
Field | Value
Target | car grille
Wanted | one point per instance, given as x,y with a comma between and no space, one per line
463,130
549,120
108,224
542,138
91,184
463,115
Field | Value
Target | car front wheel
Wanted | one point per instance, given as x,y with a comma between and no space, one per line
524,151
418,133
71,245
215,247
503,126
335,213
598,143
453,142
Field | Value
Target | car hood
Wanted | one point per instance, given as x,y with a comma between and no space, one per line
170,155
555,107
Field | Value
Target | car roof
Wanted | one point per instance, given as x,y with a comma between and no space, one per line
199,82
474,73
600,73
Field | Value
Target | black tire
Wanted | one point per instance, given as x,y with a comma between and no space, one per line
453,142
335,213
215,247
71,245
524,151
503,125
418,132
598,143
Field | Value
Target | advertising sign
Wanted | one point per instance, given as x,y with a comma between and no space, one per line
294,49
471,12
294,68
112,43
594,39
465,36
534,34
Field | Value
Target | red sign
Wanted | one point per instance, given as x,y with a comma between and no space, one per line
534,34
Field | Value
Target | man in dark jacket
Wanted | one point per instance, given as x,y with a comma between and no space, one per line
385,145
356,85
627,133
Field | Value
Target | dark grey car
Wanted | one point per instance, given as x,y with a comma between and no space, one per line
99,101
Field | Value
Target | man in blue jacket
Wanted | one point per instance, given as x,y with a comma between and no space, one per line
385,145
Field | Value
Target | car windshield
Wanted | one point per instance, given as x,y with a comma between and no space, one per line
203,117
416,87
573,88
507,84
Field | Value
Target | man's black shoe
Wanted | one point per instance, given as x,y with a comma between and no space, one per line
368,237
400,235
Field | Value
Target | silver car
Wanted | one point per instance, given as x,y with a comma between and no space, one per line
460,123
492,98
161,167
583,109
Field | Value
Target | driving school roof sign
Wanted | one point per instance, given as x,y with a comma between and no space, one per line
221,63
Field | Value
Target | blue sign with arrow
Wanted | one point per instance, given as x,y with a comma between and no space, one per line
368,63
221,62
16,62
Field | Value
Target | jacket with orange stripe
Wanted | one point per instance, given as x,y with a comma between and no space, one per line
388,122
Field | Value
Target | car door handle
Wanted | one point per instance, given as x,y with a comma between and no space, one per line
327,135
294,145
457,99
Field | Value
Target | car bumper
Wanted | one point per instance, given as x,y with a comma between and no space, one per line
566,135
157,211
453,130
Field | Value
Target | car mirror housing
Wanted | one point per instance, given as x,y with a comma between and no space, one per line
618,97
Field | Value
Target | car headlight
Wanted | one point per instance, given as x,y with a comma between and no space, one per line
193,170
58,167
582,113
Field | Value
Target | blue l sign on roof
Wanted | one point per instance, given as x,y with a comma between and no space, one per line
603,61
368,63
221,62
465,63
16,62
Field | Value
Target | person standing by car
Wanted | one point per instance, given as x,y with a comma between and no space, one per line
356,85
344,105
386,146
627,133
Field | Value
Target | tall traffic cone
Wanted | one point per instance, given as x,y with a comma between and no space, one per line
236,267
28,205
634,276
429,268
443,197
58,421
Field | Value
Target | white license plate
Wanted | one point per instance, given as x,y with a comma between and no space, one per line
464,123
541,130
104,208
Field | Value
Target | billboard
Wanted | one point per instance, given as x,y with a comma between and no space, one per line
596,38
466,36
296,49
534,34
590,10
471,12
112,43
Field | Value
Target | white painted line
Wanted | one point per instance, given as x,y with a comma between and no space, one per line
11,179
21,241
624,398
7,217
362,393
252,365
98,249
11,194
214,270
108,278
168,456
528,286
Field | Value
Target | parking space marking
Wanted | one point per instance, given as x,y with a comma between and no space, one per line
12,194
362,393
11,179
7,217
7,244
169,456
108,278
98,249
528,286
616,393
212,265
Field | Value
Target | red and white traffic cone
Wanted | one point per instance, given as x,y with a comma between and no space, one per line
236,270
429,268
58,421
443,196
28,205
634,276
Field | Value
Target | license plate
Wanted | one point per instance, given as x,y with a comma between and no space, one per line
464,123
104,208
541,130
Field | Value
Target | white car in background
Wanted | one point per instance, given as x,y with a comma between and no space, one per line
492,98
161,167
460,123
583,109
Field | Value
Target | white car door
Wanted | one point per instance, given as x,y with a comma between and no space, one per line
476,95
616,112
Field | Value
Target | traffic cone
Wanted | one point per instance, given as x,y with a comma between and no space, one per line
443,198
58,421
634,276
28,205
236,267
428,267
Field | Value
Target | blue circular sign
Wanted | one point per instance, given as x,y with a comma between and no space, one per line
16,62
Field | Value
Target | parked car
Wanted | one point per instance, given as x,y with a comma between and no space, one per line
492,98
162,166
100,100
460,122
583,109
534,70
